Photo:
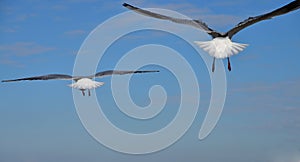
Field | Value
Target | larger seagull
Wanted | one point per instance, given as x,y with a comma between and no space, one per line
81,82
220,46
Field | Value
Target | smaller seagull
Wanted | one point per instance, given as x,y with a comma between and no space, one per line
221,46
81,82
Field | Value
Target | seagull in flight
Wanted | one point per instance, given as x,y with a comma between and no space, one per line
81,82
221,46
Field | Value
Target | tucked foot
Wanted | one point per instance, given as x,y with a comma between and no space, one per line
83,92
213,65
229,66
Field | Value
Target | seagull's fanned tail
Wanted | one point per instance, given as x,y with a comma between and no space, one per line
86,83
221,47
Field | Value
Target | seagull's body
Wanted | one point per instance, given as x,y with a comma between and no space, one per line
86,83
220,46
81,82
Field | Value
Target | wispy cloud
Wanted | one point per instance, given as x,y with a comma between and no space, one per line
8,29
81,1
12,53
204,14
221,20
59,7
277,97
249,57
272,107
194,12
227,3
6,10
24,48
292,85
287,155
76,32
11,62
24,17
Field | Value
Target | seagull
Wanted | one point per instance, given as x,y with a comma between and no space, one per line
81,82
221,46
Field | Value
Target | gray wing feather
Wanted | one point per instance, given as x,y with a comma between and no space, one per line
117,72
194,23
43,77
251,20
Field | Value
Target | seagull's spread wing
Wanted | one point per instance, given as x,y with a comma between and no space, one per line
251,20
116,72
194,23
43,77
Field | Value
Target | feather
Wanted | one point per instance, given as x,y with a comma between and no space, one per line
221,47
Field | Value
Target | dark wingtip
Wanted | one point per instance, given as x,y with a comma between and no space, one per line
147,71
6,81
154,71
13,80
129,6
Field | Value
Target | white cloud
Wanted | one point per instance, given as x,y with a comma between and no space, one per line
286,156
75,32
11,62
59,7
24,48
8,29
24,17
190,10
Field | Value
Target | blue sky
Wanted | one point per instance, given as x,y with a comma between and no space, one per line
38,120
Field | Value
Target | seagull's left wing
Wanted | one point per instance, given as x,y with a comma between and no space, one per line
194,23
117,72
251,20
43,77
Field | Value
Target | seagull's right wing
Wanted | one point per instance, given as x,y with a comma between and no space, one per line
252,20
43,77
194,23
114,72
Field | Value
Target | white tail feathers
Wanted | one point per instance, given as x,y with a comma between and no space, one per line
221,47
86,83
